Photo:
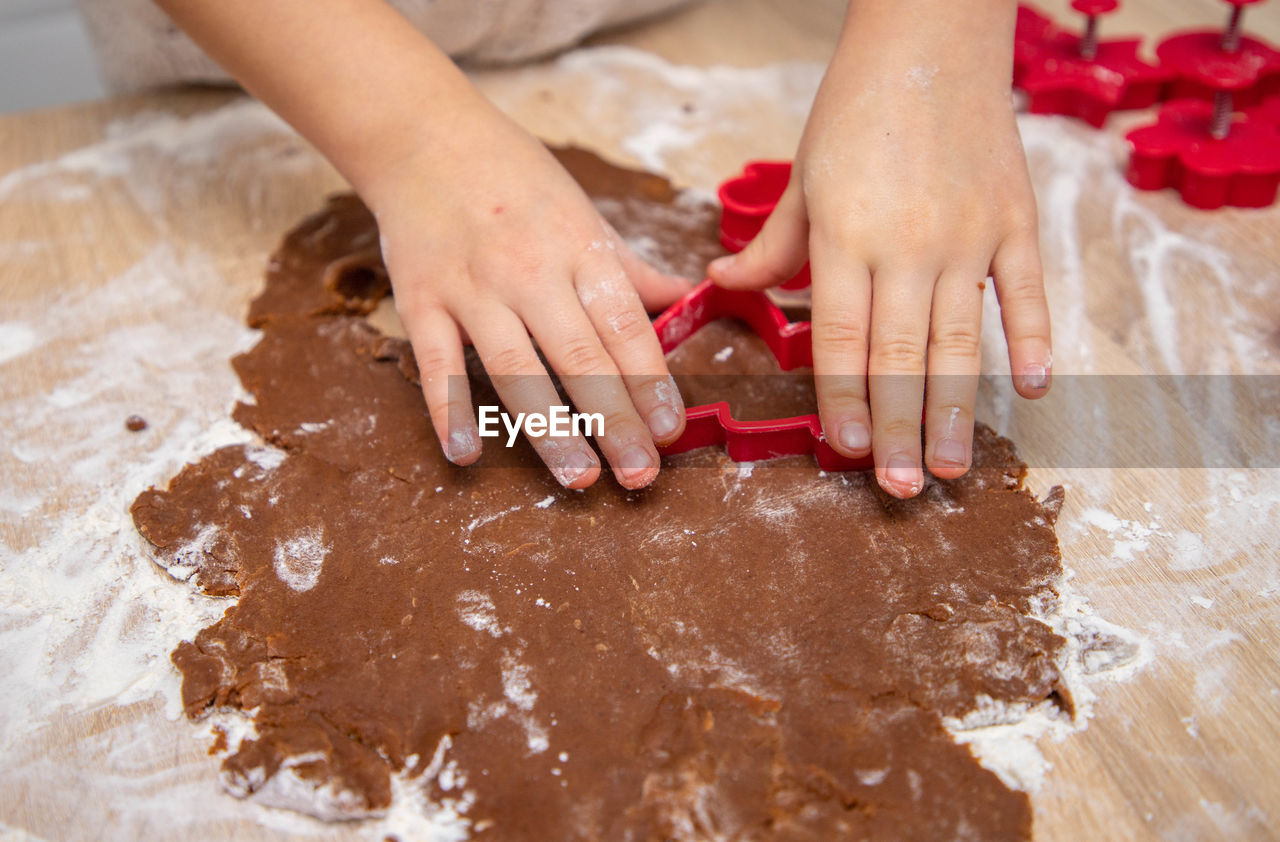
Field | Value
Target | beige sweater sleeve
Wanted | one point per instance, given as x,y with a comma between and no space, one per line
138,46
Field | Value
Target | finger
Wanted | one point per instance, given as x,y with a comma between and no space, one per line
841,319
776,254
1019,282
900,306
571,345
614,310
954,361
522,383
437,348
657,290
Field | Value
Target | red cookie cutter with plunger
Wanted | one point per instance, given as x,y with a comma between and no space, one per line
1203,62
712,425
1211,154
1080,75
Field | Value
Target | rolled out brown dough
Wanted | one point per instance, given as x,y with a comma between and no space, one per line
740,652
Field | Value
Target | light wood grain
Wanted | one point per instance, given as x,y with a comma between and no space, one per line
1189,748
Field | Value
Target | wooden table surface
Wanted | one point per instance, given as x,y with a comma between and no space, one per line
133,232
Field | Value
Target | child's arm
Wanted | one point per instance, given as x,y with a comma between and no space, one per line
484,234
909,187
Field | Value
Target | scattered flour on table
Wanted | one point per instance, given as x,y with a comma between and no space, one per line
674,119
87,620
16,339
1077,172
1005,737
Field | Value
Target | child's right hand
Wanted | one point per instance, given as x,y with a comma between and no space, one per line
487,238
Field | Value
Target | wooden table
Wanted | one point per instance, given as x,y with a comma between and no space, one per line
133,232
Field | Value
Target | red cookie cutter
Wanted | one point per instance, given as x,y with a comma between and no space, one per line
1203,63
712,425
746,200
1210,154
1079,75
1210,162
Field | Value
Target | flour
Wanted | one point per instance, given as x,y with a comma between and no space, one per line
243,133
478,611
684,121
1129,537
299,559
16,339
1006,737
74,568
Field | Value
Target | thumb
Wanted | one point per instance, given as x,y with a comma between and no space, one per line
776,254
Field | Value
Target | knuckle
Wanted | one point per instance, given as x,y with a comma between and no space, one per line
1024,307
844,393
1024,221
898,352
628,324
1025,288
900,430
579,355
444,413
621,426
957,340
456,408
848,333
433,360
506,361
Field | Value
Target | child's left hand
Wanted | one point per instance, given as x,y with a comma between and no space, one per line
910,186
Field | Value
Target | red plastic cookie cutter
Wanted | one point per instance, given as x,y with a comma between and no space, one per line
712,425
746,200
1202,63
1080,75
1212,155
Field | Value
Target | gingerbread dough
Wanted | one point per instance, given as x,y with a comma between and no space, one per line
739,652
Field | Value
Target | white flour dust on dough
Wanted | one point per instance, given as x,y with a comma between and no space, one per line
299,559
86,621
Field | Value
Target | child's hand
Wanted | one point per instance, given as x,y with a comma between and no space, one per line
487,237
484,234
909,187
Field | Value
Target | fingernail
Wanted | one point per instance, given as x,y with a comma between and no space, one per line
904,474
1035,376
854,436
462,443
722,264
951,452
634,463
576,465
663,421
